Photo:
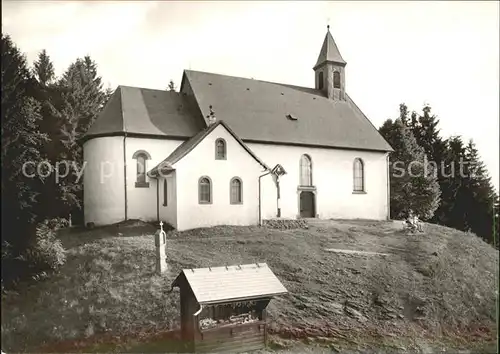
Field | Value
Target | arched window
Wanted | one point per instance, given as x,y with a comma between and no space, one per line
141,156
205,190
320,80
236,191
165,192
358,175
305,171
336,79
220,149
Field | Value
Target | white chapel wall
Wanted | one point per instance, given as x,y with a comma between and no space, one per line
168,212
142,202
333,178
104,196
104,192
201,162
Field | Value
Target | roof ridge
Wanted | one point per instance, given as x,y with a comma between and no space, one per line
230,267
246,78
151,89
122,112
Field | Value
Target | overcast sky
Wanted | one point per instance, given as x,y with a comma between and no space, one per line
442,53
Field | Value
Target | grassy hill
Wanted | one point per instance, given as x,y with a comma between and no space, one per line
425,292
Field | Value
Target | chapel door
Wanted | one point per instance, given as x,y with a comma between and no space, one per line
307,205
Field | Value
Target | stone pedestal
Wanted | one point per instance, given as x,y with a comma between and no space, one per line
160,243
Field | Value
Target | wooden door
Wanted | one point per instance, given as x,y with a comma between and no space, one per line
307,205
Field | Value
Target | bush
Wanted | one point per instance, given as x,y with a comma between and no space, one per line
44,253
47,251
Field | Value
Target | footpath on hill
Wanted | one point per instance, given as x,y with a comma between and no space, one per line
353,285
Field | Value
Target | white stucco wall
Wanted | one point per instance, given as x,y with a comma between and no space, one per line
142,202
201,162
333,178
104,192
168,212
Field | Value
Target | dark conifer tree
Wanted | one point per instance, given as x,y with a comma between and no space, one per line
413,181
22,143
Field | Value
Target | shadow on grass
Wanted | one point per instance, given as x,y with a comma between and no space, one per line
78,236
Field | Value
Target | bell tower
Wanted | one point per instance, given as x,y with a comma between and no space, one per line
329,70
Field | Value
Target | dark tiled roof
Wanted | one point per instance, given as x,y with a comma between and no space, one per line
257,111
145,111
183,149
232,283
329,52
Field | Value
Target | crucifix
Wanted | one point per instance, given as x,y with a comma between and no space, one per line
160,243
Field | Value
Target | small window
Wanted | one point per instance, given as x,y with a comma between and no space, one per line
336,79
205,190
165,192
358,175
236,191
220,149
320,80
141,157
305,171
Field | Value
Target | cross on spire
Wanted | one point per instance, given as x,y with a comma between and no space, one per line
161,225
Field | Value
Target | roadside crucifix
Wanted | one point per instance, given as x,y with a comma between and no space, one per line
160,243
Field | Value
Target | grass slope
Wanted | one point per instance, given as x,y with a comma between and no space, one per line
435,289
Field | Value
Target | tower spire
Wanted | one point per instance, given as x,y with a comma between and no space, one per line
329,70
329,51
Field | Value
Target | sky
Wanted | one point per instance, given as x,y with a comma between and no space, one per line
445,54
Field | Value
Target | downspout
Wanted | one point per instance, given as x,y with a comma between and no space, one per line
388,188
125,174
158,199
260,197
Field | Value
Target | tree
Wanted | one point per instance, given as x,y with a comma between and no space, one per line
413,181
403,113
171,86
425,129
79,100
480,195
43,69
451,184
22,142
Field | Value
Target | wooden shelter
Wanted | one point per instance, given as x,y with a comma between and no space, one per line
223,309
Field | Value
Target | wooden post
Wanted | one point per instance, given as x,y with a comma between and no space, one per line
264,318
160,243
